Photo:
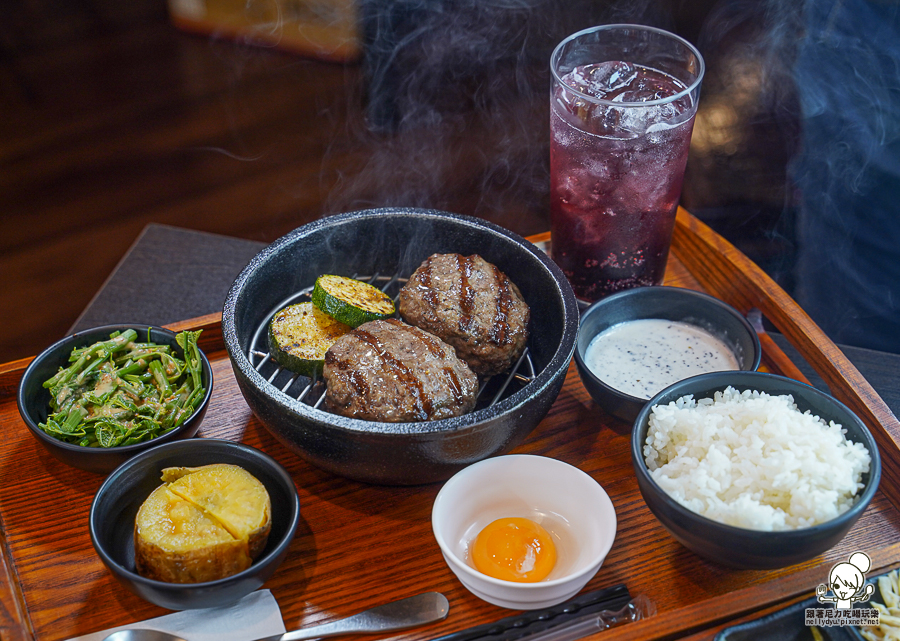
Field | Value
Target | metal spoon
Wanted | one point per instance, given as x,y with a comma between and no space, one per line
405,613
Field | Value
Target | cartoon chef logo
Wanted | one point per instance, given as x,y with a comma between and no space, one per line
847,582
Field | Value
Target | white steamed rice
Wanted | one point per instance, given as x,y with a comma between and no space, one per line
753,460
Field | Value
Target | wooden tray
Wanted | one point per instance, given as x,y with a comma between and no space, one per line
360,545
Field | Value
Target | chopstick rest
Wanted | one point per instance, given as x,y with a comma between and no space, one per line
255,616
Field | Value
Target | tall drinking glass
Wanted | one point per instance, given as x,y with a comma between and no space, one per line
622,110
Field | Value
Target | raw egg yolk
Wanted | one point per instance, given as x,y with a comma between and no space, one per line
514,549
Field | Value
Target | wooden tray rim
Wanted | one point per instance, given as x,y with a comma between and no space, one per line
725,272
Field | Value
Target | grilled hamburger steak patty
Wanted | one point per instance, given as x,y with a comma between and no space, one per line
386,370
473,306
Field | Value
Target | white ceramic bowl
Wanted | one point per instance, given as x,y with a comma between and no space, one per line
564,500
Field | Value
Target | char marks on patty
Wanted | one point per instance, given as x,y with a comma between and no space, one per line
389,371
472,305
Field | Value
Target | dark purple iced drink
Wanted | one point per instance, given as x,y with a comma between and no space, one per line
616,167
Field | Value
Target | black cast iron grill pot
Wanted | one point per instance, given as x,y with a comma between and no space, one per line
395,241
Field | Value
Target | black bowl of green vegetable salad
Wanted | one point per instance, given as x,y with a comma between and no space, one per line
98,397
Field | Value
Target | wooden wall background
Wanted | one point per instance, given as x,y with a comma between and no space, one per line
111,118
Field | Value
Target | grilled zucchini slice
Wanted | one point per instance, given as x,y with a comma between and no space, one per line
351,301
299,336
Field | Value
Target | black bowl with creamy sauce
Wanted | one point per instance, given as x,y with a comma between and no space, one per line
704,314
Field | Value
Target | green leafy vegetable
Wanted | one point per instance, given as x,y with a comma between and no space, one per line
121,392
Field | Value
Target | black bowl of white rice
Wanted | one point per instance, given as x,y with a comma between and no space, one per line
753,470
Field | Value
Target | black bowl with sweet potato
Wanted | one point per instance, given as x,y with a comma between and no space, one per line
115,509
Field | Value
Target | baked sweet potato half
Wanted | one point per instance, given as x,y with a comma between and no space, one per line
202,524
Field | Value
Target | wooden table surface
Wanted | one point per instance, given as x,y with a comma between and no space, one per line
360,545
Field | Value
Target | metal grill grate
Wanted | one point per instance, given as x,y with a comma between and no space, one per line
312,390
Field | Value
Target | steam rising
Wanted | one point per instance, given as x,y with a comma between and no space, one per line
456,103
798,120
848,73
822,79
